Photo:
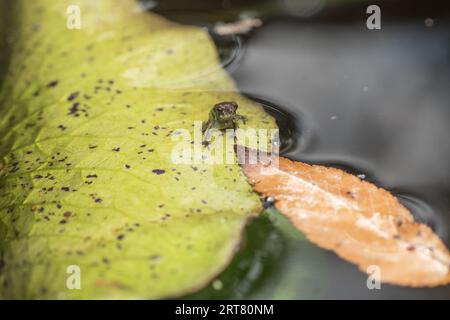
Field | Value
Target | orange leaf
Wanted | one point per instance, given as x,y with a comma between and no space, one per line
360,222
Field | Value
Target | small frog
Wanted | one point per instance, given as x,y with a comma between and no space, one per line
221,117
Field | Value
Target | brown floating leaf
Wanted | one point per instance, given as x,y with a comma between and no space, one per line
360,222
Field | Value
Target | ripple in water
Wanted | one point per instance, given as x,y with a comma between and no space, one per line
230,49
423,213
292,133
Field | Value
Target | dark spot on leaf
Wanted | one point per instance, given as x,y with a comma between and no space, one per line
52,84
72,96
74,109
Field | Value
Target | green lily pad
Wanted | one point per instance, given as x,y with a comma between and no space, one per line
87,179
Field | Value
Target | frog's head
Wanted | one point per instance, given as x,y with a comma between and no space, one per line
225,111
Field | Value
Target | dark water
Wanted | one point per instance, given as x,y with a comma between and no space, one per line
375,103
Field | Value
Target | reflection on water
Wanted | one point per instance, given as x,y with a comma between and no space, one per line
292,135
230,50
373,103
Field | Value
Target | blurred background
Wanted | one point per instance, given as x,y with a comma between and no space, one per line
372,102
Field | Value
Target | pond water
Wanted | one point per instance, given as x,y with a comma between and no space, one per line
372,102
